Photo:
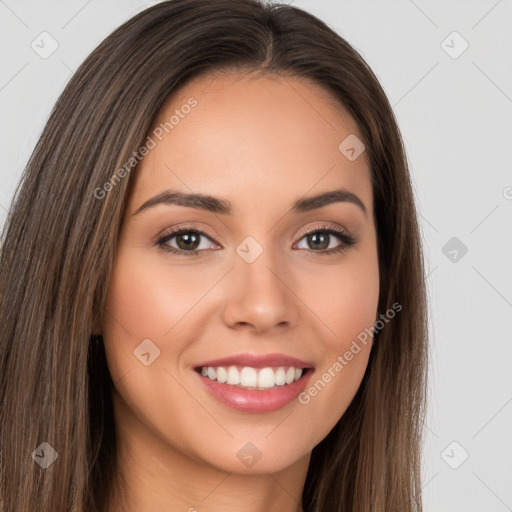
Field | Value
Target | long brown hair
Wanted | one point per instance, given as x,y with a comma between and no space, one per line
59,245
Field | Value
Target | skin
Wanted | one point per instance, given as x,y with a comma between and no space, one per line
262,143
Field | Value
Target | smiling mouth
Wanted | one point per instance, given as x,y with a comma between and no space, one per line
247,377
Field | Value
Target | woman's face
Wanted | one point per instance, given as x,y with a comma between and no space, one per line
253,277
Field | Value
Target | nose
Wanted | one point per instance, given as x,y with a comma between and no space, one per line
260,295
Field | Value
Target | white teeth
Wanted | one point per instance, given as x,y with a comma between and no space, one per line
233,376
280,377
266,378
248,377
222,374
262,378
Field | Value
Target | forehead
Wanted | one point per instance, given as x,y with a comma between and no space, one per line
255,138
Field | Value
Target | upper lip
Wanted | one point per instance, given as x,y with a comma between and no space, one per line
256,361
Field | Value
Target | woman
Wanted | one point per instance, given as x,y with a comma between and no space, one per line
211,278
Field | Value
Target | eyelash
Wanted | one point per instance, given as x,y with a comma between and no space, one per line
346,240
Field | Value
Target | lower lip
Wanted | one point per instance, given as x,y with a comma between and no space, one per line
253,400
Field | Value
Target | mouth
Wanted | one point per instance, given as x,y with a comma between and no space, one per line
247,377
255,384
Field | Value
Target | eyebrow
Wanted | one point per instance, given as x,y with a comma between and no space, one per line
223,206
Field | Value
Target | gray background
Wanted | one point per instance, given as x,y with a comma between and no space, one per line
454,109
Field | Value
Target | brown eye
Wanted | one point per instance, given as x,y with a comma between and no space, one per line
319,240
185,241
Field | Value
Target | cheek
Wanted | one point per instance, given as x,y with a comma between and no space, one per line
347,305
344,301
137,308
146,300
